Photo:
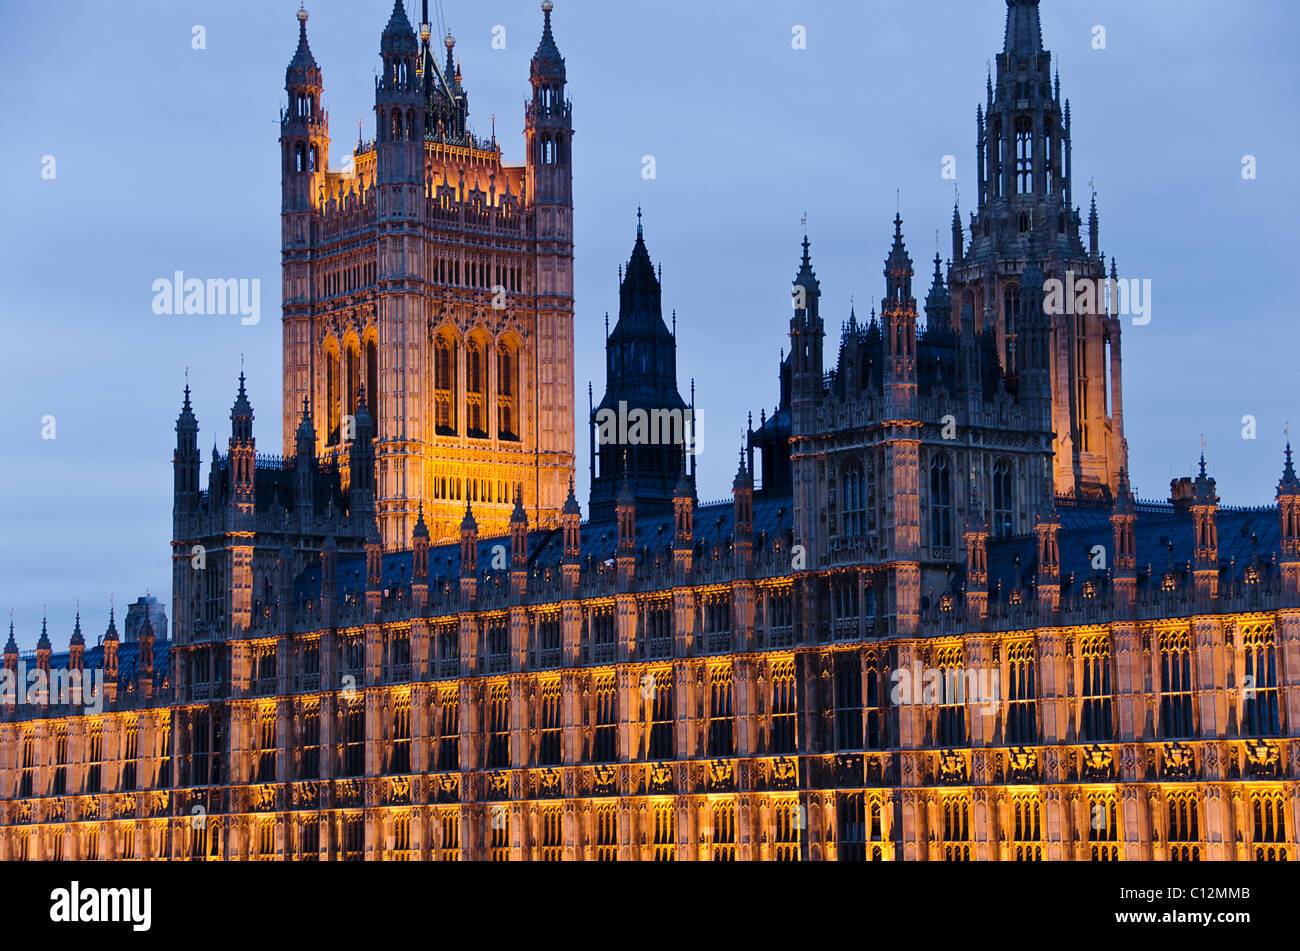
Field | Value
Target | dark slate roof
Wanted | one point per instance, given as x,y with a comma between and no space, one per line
1159,525
128,653
713,525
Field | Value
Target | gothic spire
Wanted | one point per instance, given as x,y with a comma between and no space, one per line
302,70
1290,485
1024,35
399,35
547,59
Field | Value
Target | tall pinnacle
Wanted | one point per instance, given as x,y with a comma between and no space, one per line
1024,31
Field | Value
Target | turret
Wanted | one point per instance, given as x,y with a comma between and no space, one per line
898,312
468,557
1124,545
11,664
304,463
243,452
938,303
1205,510
374,570
975,538
518,549
548,125
144,660
329,582
570,522
361,462
77,646
742,495
185,464
683,527
43,653
304,134
1288,511
807,333
420,563
110,645
625,514
1048,531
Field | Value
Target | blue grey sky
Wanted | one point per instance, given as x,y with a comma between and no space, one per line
167,159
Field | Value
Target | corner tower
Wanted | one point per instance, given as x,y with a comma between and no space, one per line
437,280
1026,212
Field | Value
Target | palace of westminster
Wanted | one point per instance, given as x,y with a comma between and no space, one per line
400,640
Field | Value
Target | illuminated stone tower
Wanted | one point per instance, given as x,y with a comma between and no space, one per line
437,280
1026,214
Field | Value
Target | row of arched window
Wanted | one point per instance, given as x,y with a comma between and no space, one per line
489,385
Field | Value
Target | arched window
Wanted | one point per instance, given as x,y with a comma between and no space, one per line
507,384
444,386
476,390
372,375
332,400
999,161
351,383
1024,157
1010,310
940,503
855,501
1004,486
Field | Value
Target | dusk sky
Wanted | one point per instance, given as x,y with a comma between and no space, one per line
166,158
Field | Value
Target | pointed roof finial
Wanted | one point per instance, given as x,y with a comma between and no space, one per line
639,232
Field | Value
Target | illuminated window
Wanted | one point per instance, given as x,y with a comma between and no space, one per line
354,839
606,833
60,763
266,755
507,371
476,390
353,732
26,777
549,746
1268,811
665,833
1176,697
604,734
1022,702
499,833
784,709
95,760
498,727
790,819
951,730
1095,723
1259,715
444,386
551,826
1103,827
663,740
130,755
399,755
1184,828
1027,828
449,836
447,721
722,724
723,845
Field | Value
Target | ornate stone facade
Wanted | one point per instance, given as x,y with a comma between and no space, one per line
932,623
